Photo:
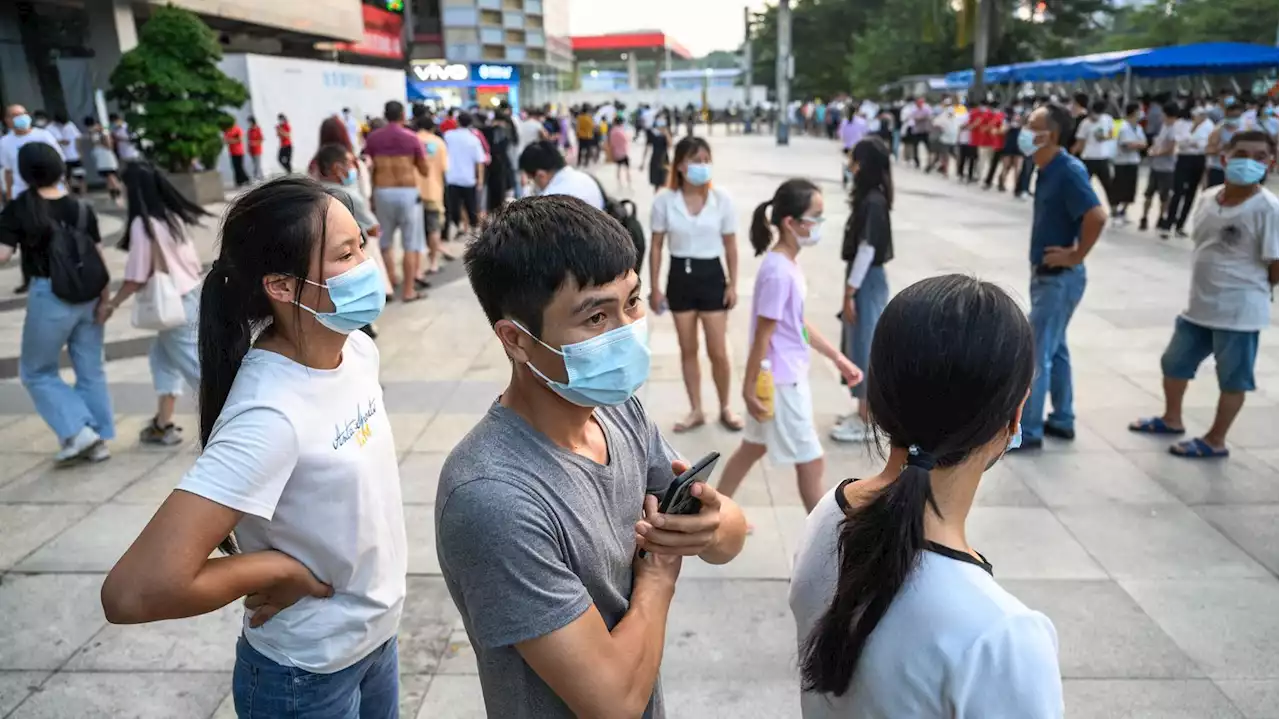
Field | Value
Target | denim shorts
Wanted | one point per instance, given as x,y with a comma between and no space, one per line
1233,351
368,689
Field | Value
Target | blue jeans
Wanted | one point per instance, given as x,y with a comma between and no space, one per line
368,689
175,357
870,302
50,325
1053,300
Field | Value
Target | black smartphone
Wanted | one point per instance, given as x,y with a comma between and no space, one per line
678,499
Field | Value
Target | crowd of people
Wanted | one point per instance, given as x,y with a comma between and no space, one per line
550,533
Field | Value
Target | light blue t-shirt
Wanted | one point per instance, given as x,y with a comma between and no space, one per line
953,644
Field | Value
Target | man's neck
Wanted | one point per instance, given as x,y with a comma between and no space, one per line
1045,155
562,422
1233,195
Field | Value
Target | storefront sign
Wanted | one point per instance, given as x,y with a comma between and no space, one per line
382,35
495,72
441,72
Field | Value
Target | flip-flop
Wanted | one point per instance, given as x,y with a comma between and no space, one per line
733,426
681,427
415,298
1196,448
1154,425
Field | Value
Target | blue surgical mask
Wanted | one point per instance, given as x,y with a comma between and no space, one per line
1015,441
1245,171
604,371
22,122
352,177
698,173
1027,142
358,297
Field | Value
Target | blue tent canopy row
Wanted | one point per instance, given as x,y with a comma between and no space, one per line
1215,58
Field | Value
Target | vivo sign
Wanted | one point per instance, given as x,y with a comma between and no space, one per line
437,72
495,72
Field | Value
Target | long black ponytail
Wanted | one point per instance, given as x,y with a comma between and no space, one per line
953,359
272,229
791,199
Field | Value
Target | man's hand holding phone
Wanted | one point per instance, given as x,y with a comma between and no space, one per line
683,535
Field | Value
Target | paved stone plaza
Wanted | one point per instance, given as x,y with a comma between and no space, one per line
1159,573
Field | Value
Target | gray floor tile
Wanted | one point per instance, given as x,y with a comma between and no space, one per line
1255,698
17,686
763,555
407,428
459,656
160,481
445,431
691,697
25,527
420,531
454,696
225,710
1002,487
96,482
427,623
204,643
1146,699
1102,632
1228,626
716,628
413,690
1028,543
1155,542
420,475
1256,427
1063,479
1241,479
94,543
47,618
111,695
15,464
1252,526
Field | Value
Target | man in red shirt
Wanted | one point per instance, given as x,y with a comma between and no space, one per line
234,139
450,121
285,134
255,147
995,142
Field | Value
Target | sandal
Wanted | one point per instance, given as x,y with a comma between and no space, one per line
730,421
688,425
1197,449
1154,425
416,296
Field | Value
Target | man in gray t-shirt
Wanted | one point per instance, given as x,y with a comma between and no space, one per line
541,508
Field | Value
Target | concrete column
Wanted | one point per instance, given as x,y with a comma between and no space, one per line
633,73
18,80
112,32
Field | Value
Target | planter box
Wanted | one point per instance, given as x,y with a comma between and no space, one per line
202,188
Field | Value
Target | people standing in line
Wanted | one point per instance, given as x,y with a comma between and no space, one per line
311,516
1067,221
500,136
867,248
431,190
333,132
284,134
921,130
122,139
1095,144
399,159
620,152
897,614
1231,123
1010,156
45,221
970,122
68,136
337,172
158,240
545,167
779,346
946,124
255,149
529,130
1130,142
1191,133
463,176
1234,274
104,158
656,152
233,138
1079,113
852,130
585,131
991,152
1161,170
565,618
701,226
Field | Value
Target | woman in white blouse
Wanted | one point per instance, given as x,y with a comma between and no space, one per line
1191,132
700,222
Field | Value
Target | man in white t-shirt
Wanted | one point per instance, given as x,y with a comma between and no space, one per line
350,122
546,169
69,138
22,132
1096,146
1233,279
464,175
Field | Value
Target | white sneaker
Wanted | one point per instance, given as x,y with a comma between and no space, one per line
850,430
84,441
98,453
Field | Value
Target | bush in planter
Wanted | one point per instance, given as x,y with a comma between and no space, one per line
172,91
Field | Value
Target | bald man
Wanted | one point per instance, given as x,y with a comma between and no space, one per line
21,132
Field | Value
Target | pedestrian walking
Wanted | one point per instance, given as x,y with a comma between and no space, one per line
897,615
1010,156
297,478
780,420
255,149
463,176
1095,144
620,152
104,158
69,137
161,249
431,188
657,152
701,226
66,304
398,159
852,130
233,138
284,135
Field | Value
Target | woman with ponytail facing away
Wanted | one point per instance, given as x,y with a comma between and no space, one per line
897,615
781,336
298,460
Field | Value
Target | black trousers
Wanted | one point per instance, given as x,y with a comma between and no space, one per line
1186,179
459,199
286,158
237,169
968,162
997,158
1102,170
1025,174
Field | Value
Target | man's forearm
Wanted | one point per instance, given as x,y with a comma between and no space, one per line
638,641
1091,230
730,536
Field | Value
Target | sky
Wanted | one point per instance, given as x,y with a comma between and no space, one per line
699,25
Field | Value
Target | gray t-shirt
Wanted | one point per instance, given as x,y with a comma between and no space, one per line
529,535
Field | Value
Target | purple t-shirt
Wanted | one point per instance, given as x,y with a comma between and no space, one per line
393,140
779,295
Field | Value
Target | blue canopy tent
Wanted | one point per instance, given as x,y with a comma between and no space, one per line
1216,58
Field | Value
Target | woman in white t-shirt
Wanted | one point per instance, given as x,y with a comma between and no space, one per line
298,461
700,223
897,616
158,241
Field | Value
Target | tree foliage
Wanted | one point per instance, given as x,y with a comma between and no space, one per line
173,93
1187,21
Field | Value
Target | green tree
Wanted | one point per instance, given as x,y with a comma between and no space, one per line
1158,24
173,93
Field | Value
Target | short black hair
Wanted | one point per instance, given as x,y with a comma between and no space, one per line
112,117
425,122
393,111
1252,136
543,155
530,247
329,155
1081,99
1060,121
1131,108
464,119
1099,106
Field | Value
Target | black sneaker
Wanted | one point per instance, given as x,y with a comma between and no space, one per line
1028,445
1059,432
1180,232
1142,225
21,289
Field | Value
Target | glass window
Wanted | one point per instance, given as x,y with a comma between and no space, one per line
459,16
491,35
512,19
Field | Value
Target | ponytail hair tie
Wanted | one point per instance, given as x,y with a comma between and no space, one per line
917,457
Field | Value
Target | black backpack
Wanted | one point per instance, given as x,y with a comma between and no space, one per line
76,271
624,211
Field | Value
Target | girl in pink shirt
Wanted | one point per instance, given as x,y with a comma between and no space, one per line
620,151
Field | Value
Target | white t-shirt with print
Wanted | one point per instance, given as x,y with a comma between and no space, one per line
1234,245
9,146
700,236
1129,132
308,456
1094,148
70,135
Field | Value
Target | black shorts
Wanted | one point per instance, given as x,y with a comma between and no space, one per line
624,162
1124,184
459,199
1159,182
695,285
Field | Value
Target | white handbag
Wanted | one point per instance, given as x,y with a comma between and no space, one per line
158,306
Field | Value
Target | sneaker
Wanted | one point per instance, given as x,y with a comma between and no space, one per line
1181,232
1142,225
77,446
1164,234
1059,432
99,453
850,430
155,434
21,289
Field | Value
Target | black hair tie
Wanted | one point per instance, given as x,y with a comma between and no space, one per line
917,457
